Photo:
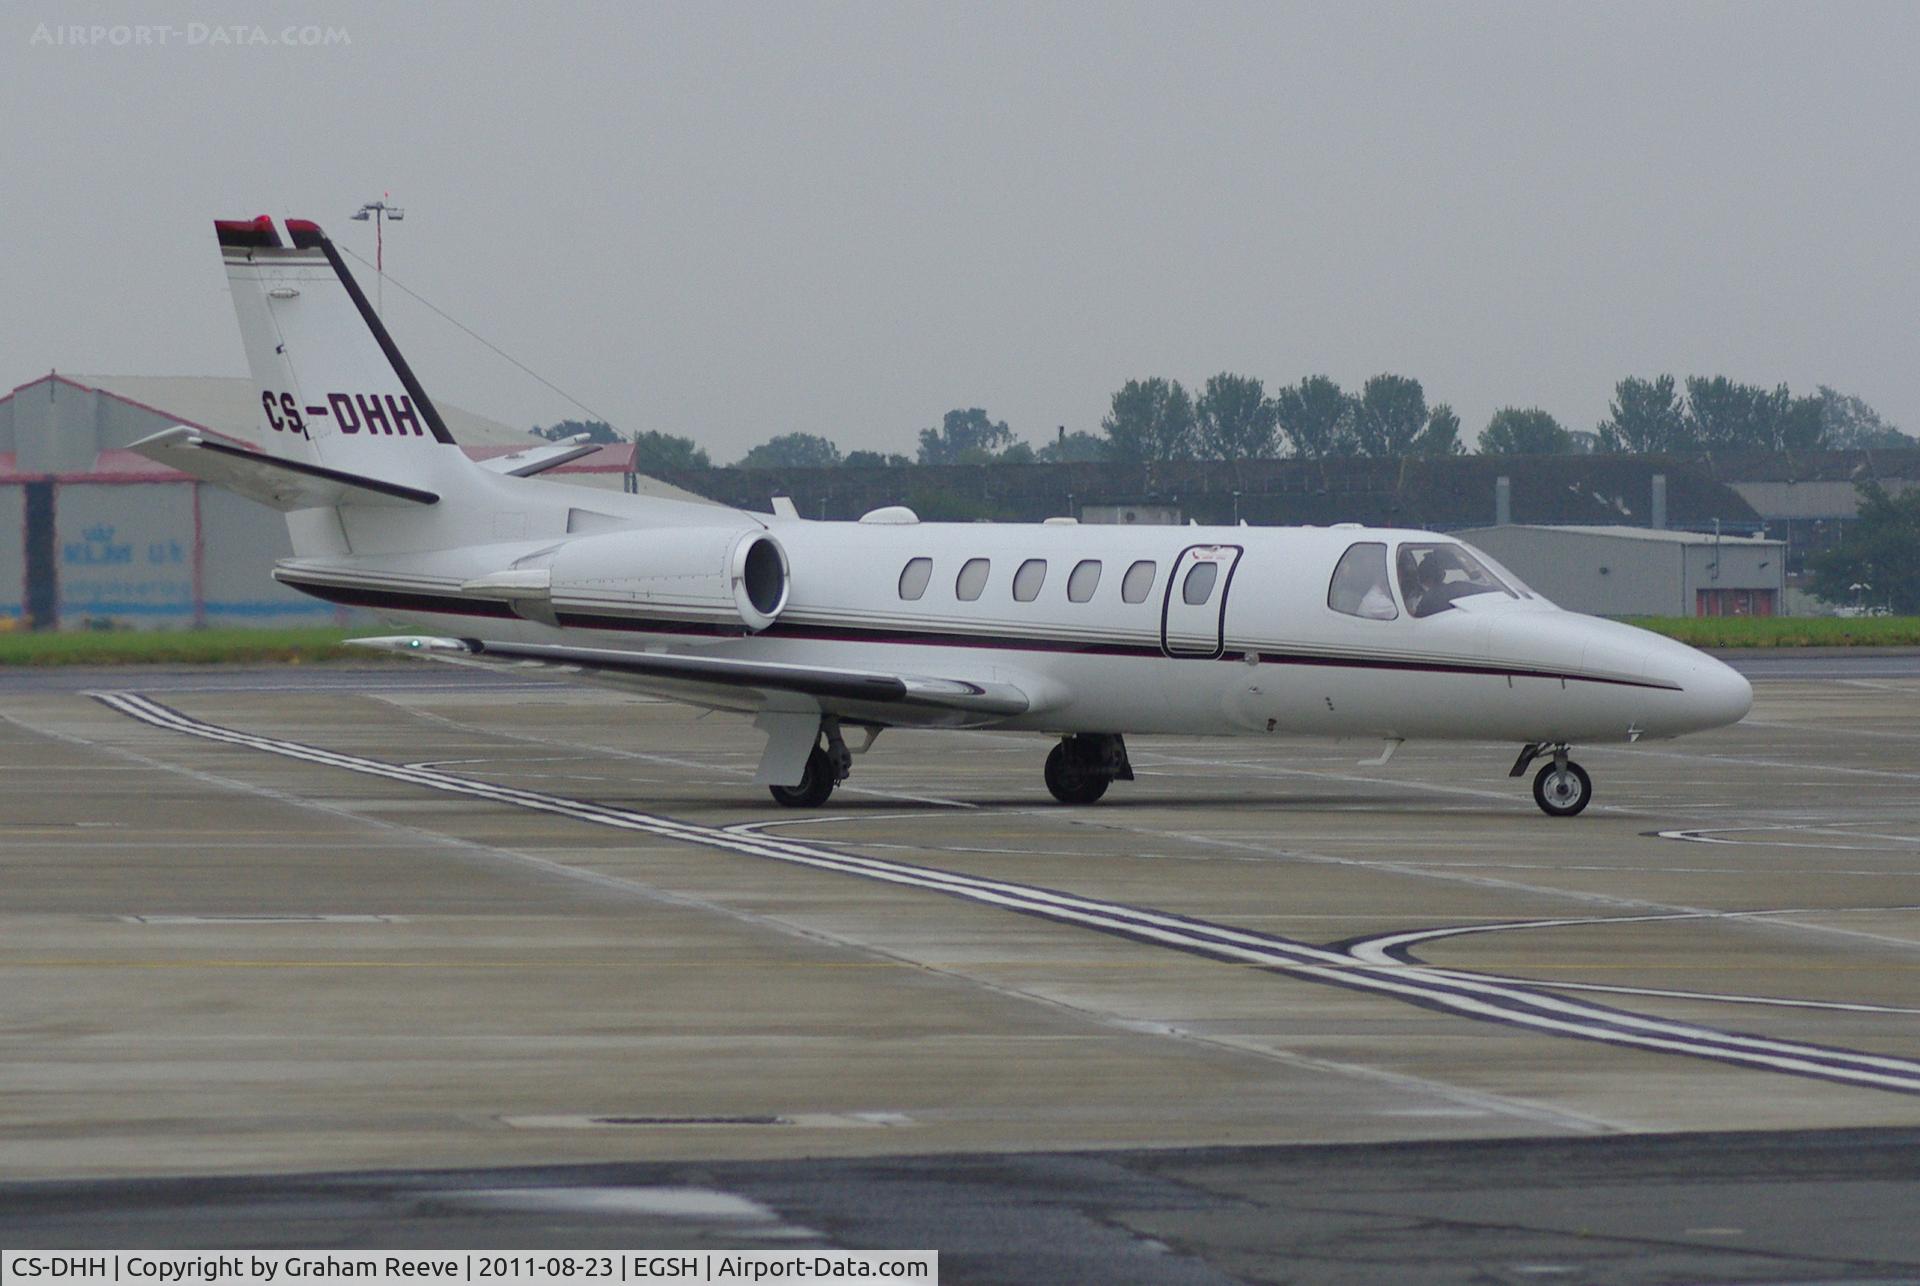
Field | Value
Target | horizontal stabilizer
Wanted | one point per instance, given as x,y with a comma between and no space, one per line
273,480
822,682
524,464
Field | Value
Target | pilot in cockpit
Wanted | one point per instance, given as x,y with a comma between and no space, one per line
1433,576
1433,594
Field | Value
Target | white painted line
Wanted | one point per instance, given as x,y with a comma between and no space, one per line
1382,950
1401,1082
1465,996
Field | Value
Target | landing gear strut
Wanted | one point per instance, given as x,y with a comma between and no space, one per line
1562,788
1081,767
814,787
827,767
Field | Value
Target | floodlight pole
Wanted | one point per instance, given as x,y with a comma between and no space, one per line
379,212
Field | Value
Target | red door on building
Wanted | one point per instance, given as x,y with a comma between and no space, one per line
1734,602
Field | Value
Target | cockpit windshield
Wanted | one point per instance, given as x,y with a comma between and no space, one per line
1433,577
1504,574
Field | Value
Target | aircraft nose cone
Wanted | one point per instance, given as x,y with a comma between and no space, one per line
1716,694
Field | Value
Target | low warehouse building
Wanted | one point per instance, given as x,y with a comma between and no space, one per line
1635,571
111,538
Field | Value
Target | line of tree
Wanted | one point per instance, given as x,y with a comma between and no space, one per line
1234,418
1651,416
1877,567
964,436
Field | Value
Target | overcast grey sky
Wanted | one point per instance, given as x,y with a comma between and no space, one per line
731,221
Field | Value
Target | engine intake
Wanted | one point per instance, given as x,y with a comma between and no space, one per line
697,575
759,580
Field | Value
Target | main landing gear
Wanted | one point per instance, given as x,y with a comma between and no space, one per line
827,767
1562,788
1081,767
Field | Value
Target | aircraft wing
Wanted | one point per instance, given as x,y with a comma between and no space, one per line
863,694
272,480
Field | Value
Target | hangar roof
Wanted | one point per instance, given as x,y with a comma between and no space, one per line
1632,533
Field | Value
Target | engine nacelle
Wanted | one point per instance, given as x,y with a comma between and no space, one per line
698,575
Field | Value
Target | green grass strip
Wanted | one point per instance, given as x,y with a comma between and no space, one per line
179,647
1786,631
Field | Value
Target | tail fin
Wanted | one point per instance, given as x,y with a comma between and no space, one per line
334,390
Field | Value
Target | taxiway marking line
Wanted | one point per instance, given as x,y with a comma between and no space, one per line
1465,996
1395,948
1464,1097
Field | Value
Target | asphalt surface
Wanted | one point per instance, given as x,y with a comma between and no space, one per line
335,956
1832,663
1823,1206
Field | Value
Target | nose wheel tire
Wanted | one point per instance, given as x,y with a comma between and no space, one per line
1070,783
1562,790
815,784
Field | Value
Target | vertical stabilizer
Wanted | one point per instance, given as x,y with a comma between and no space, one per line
362,462
333,389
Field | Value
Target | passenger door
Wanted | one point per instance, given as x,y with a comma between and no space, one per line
1193,617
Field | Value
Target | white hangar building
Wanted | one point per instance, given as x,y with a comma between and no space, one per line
1638,571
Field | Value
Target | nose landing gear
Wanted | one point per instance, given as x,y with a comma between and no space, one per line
1562,788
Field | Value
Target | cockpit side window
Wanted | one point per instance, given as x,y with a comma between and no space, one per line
1359,586
1433,577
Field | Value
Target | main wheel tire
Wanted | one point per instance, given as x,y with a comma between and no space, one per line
1069,784
1562,792
815,784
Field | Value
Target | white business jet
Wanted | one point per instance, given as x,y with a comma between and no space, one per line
830,632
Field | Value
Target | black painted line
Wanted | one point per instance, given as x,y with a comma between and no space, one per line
1399,946
927,876
262,460
1485,1001
421,401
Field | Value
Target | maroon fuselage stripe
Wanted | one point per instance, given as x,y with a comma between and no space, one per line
448,605
403,600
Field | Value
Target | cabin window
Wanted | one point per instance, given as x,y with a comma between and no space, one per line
914,578
1028,580
1359,585
1434,577
1138,582
1198,587
1084,579
971,580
